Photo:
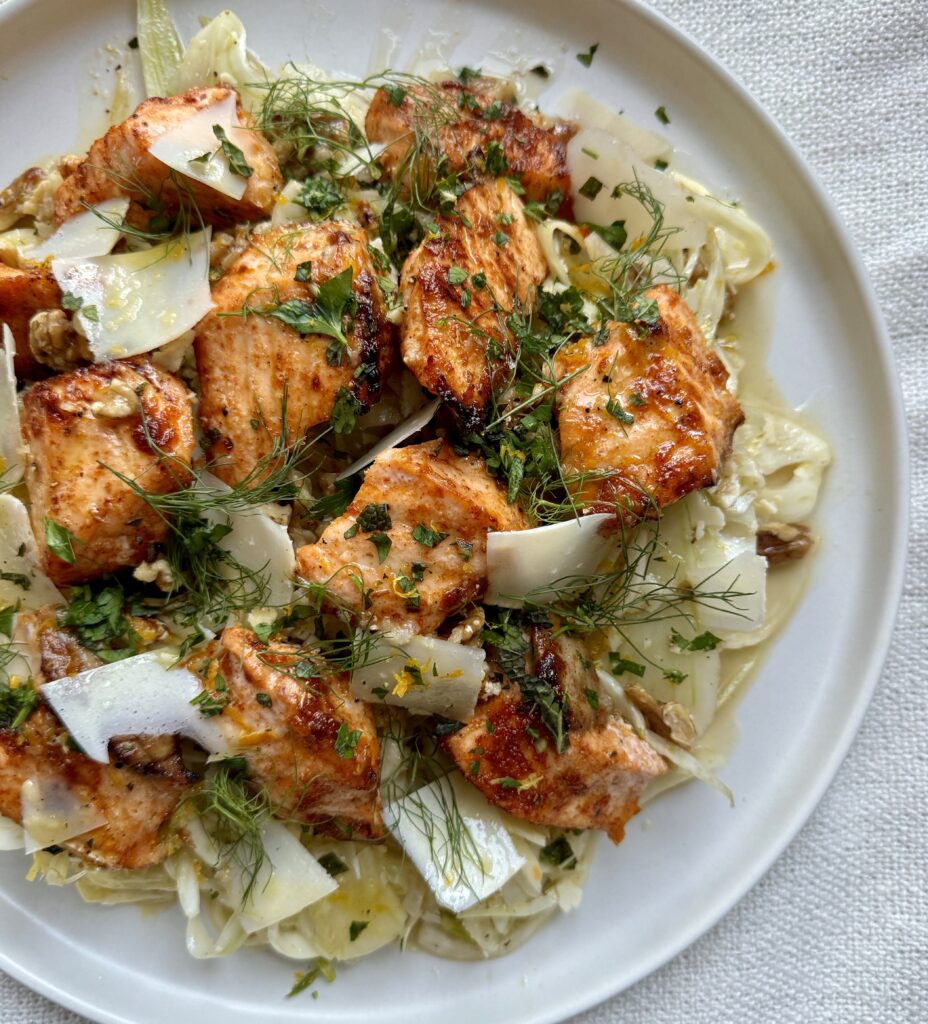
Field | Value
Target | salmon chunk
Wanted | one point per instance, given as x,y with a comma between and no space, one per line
249,361
307,742
653,410
77,424
509,752
135,800
463,124
23,293
411,549
119,164
459,287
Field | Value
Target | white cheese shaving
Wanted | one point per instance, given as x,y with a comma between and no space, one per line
521,561
407,428
193,149
136,302
11,434
85,234
19,556
425,675
615,163
289,880
52,812
456,840
139,696
258,543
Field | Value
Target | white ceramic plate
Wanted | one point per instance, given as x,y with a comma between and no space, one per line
668,883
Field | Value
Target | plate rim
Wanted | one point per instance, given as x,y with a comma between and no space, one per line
898,518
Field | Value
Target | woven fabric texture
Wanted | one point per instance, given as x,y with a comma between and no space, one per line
838,929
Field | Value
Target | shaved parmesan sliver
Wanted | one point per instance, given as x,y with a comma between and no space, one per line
396,436
425,675
522,561
616,163
184,148
19,556
139,696
11,434
85,234
138,301
456,840
289,880
258,543
53,812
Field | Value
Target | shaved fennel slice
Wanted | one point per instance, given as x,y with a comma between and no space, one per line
138,301
578,105
11,434
217,55
407,428
520,562
85,234
456,840
194,149
139,696
616,164
19,556
159,47
257,543
746,248
289,879
52,813
424,675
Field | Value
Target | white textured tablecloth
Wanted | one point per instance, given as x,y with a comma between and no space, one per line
838,930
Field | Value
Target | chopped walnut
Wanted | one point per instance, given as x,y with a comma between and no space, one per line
225,247
670,720
116,401
157,572
32,194
468,628
784,542
55,343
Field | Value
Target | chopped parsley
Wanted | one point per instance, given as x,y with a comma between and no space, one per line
586,59
346,741
320,198
619,665
383,544
345,412
591,188
333,864
704,642
662,115
237,163
424,535
60,541
334,300
355,929
559,854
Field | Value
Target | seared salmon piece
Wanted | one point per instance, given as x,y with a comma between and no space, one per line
411,549
652,410
307,742
135,800
77,424
23,293
458,288
249,362
508,752
119,164
461,123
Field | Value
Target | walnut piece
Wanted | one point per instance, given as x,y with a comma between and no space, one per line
784,542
